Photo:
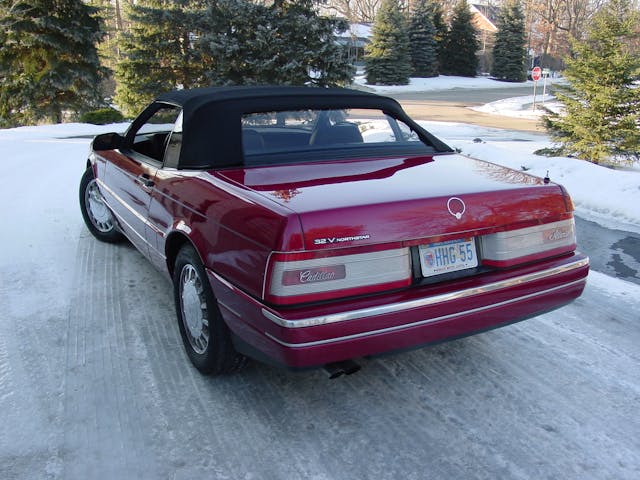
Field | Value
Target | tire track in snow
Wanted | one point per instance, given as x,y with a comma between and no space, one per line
221,417
191,413
6,388
105,424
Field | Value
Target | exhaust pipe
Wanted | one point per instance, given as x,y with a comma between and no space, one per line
337,369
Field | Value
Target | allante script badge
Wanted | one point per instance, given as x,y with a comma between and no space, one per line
556,234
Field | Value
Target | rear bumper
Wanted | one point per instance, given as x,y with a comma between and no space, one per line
316,335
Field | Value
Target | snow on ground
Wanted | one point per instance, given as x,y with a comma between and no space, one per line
520,107
443,82
613,287
65,130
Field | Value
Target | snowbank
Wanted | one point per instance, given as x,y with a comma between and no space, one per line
520,107
443,82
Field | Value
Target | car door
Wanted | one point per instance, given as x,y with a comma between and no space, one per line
165,207
131,173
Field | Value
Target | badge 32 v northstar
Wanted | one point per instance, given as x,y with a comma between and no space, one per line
308,227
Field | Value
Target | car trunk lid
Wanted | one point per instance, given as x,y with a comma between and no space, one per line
389,200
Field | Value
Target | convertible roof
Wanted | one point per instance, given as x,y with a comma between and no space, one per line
197,97
211,124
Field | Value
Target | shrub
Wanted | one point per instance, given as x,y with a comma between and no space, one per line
102,116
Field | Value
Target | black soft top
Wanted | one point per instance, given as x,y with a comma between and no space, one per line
195,98
212,117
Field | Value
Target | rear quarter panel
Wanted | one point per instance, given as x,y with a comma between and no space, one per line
233,234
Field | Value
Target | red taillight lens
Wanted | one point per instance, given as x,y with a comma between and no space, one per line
306,277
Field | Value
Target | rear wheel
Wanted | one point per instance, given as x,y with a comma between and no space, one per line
97,216
206,337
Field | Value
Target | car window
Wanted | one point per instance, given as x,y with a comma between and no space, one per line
172,153
315,130
152,138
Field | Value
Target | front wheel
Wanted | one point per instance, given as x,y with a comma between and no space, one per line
205,336
96,214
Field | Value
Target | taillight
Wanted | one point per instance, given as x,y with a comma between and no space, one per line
312,276
504,249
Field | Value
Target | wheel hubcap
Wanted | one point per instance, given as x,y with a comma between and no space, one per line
194,309
99,214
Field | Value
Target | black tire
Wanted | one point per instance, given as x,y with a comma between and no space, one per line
97,216
205,336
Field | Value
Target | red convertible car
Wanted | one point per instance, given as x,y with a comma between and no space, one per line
309,227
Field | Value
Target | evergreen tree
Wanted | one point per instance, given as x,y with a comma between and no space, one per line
601,121
48,60
387,58
460,44
108,47
423,46
159,51
509,53
285,43
441,29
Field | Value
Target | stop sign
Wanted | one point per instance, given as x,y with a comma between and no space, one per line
536,73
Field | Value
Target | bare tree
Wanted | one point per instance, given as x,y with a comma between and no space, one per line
552,21
576,14
355,11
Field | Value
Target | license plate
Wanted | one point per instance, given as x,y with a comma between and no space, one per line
447,257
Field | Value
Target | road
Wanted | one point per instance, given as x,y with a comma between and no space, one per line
94,383
471,96
452,106
613,252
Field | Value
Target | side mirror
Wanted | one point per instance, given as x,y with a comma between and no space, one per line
108,141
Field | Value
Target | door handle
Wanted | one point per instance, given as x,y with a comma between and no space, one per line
145,180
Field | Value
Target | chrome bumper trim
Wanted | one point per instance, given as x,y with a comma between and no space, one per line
422,322
423,302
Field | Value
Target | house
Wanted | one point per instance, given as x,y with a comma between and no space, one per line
355,38
484,19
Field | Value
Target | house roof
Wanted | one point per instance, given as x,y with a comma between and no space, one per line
359,30
487,16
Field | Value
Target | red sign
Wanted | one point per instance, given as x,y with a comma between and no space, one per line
536,73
